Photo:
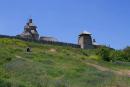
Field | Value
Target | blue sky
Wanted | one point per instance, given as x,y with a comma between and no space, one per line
107,20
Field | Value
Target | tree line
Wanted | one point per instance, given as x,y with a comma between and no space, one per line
108,54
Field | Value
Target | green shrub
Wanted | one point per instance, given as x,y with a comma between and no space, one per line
118,55
104,53
108,54
127,53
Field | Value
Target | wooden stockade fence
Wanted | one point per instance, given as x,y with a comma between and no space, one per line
42,41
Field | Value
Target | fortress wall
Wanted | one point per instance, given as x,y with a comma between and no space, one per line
44,42
61,44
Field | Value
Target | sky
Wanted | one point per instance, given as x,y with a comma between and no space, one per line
107,20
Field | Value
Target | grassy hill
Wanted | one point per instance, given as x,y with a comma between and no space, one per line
57,66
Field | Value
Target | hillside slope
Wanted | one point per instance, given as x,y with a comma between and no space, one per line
56,66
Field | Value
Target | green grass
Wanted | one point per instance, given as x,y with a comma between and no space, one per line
62,67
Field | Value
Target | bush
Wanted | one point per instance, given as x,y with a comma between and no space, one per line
108,54
104,53
118,55
127,53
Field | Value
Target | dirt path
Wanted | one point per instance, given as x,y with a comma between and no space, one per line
118,72
122,72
